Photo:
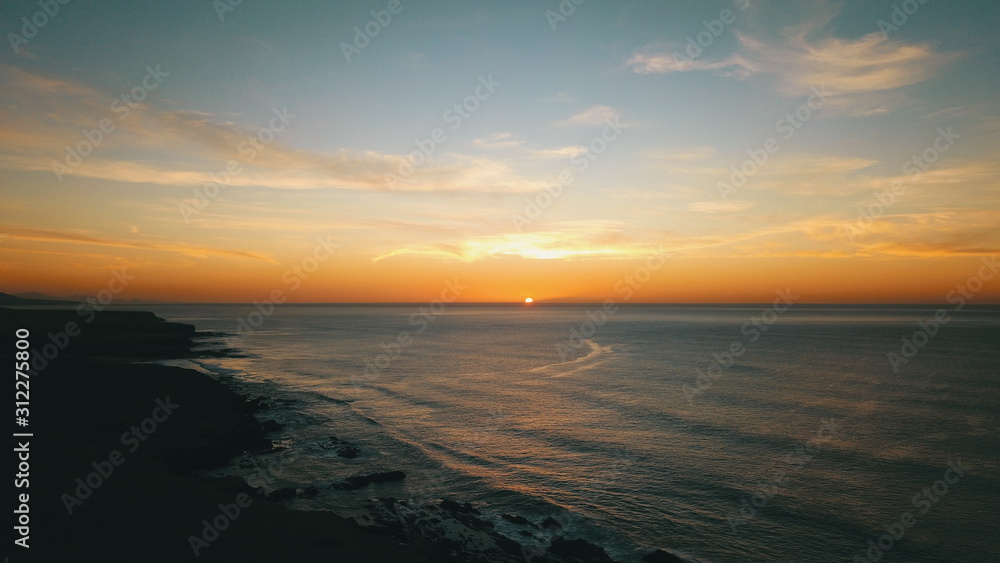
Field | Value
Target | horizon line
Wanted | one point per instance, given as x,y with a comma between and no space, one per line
138,302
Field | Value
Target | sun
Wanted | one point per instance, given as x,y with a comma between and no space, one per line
528,300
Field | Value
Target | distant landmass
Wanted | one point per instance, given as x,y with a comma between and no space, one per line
36,298
33,299
33,295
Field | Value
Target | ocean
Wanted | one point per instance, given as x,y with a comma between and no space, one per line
719,433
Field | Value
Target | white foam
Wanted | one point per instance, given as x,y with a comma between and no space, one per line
582,363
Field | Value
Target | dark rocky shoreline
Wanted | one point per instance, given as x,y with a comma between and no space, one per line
90,400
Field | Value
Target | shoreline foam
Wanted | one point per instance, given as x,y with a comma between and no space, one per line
154,506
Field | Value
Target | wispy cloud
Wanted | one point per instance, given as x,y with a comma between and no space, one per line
814,175
864,73
565,241
788,174
84,238
594,115
683,153
497,141
931,234
652,60
561,152
720,206
184,148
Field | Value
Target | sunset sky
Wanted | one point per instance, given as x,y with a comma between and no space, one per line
519,152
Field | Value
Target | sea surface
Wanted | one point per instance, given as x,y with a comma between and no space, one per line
807,440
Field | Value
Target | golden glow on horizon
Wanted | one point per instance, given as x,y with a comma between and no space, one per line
891,193
355,279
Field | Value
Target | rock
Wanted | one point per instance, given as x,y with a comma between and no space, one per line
551,523
254,405
581,551
455,508
310,492
349,452
480,524
282,494
248,460
515,519
660,556
508,545
387,476
465,514
344,449
269,426
360,481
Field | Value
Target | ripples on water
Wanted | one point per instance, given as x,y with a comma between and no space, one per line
484,405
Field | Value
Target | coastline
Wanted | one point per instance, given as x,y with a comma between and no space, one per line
116,447
147,506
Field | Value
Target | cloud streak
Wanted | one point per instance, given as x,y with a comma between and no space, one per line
184,148
864,72
57,236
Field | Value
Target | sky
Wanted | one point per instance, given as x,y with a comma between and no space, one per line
384,151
